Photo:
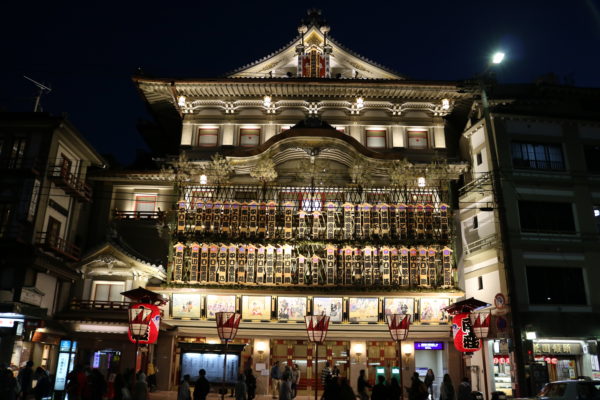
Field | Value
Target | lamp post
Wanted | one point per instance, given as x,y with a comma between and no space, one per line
227,327
316,328
481,327
398,324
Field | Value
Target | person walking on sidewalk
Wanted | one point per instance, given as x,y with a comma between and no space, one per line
295,380
241,390
202,386
250,384
429,378
275,378
362,384
184,389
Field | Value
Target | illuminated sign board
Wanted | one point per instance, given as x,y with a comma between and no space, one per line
429,345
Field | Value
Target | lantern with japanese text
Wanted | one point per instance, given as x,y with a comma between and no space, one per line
144,323
398,325
227,327
465,339
316,328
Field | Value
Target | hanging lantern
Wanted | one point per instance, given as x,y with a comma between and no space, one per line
398,324
144,322
317,327
227,325
481,324
464,336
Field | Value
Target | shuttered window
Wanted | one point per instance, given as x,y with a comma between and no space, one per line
249,137
208,137
417,139
376,138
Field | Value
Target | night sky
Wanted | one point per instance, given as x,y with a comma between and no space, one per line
88,53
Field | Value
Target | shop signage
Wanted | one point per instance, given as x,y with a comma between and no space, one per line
8,322
65,345
429,345
46,338
501,360
499,301
464,336
61,371
31,295
557,348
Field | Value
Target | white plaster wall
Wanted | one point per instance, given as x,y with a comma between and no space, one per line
439,137
491,286
47,284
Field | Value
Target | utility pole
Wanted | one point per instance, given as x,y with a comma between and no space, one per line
43,89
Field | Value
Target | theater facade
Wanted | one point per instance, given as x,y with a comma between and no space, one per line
312,181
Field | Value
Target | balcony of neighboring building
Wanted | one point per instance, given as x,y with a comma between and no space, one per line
63,177
479,245
480,183
58,246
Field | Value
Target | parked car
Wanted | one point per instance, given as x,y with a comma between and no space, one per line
580,389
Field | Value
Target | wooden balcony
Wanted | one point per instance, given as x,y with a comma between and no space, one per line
78,304
70,183
138,215
58,246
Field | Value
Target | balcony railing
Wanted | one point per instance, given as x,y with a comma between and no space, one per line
58,246
482,183
138,215
481,244
77,304
70,183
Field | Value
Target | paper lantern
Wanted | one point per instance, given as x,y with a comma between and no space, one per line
144,323
398,324
227,325
464,336
317,327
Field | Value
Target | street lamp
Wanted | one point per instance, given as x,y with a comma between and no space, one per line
498,57
227,327
481,327
398,324
316,328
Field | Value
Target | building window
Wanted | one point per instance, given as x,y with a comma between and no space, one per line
480,283
65,166
479,158
107,291
417,139
18,153
145,202
376,138
538,156
556,285
208,137
592,158
249,137
546,217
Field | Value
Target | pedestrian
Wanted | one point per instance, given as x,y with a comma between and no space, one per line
285,385
275,378
140,389
151,371
98,385
380,391
394,390
295,380
447,390
184,389
346,392
202,386
417,389
118,386
326,374
335,372
429,378
464,389
25,379
332,390
250,384
241,390
42,387
9,387
362,384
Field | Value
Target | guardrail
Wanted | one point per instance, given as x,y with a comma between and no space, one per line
58,246
138,215
481,244
77,304
65,179
476,184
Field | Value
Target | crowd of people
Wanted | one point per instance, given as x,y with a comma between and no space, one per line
22,386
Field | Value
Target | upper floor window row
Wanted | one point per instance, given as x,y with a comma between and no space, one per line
543,156
546,217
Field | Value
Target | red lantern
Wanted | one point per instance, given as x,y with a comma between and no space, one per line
144,323
481,324
464,336
317,327
227,325
398,325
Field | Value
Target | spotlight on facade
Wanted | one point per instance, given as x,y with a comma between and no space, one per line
267,101
445,104
203,179
181,101
421,181
360,102
530,335
498,57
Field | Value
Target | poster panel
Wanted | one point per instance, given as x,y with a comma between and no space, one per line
185,305
219,303
399,305
330,306
432,310
256,307
291,308
363,309
212,363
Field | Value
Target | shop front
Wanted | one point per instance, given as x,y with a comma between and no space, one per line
503,372
562,358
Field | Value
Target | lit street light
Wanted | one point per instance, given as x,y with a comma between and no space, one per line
498,57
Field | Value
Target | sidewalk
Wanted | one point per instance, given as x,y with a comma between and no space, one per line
172,395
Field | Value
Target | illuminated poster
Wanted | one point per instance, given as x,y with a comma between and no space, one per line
291,308
256,307
185,305
363,309
398,305
330,306
62,368
217,303
432,310
212,363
